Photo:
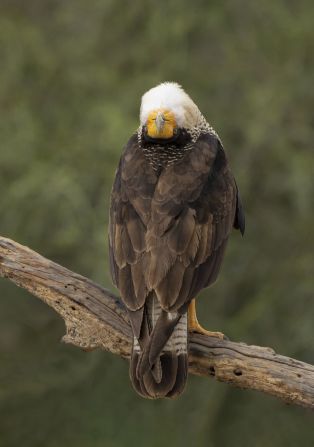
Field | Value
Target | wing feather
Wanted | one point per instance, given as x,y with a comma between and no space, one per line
129,213
169,233
193,211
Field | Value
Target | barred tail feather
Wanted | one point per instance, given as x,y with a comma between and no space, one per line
159,361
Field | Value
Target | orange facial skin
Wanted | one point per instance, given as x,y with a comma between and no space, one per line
161,123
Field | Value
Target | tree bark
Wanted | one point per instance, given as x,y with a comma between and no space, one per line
96,318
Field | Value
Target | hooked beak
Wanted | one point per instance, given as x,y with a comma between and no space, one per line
160,122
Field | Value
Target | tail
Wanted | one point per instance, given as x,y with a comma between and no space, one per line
159,361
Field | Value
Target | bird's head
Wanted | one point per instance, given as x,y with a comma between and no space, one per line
165,110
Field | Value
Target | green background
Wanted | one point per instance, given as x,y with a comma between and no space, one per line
71,78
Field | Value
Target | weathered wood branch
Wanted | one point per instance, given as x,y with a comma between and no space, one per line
95,318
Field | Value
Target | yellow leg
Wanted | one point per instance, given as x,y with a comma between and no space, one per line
194,325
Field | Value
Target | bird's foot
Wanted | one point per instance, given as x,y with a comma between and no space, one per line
196,328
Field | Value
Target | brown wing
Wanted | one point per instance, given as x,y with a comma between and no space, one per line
131,198
193,212
168,234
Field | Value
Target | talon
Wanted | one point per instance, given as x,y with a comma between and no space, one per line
195,327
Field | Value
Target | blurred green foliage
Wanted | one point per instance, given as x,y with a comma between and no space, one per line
72,74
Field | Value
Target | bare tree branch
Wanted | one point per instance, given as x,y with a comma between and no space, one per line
95,318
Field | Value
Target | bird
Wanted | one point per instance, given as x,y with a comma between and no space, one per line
173,205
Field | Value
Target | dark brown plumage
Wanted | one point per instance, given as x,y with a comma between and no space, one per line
170,218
